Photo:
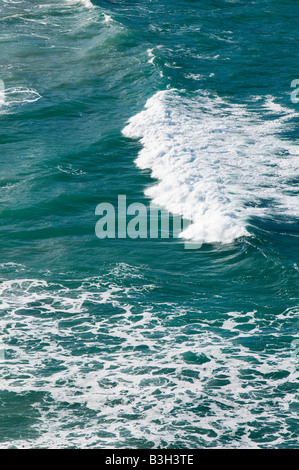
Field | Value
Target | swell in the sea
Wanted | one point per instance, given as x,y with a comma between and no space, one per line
218,164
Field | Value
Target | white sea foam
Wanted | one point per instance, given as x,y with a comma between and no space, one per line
194,76
135,371
276,107
2,93
86,3
107,18
151,56
217,164
18,95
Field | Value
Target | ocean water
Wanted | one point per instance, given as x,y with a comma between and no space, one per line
142,343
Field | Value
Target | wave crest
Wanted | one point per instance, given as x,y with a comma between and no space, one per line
218,164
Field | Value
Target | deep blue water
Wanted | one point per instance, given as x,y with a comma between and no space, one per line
141,342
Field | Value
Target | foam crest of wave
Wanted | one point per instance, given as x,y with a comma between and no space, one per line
217,164
85,3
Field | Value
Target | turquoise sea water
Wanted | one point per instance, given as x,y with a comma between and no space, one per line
143,343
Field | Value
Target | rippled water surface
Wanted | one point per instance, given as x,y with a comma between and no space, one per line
142,343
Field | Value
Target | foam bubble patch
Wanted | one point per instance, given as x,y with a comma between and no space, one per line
99,367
